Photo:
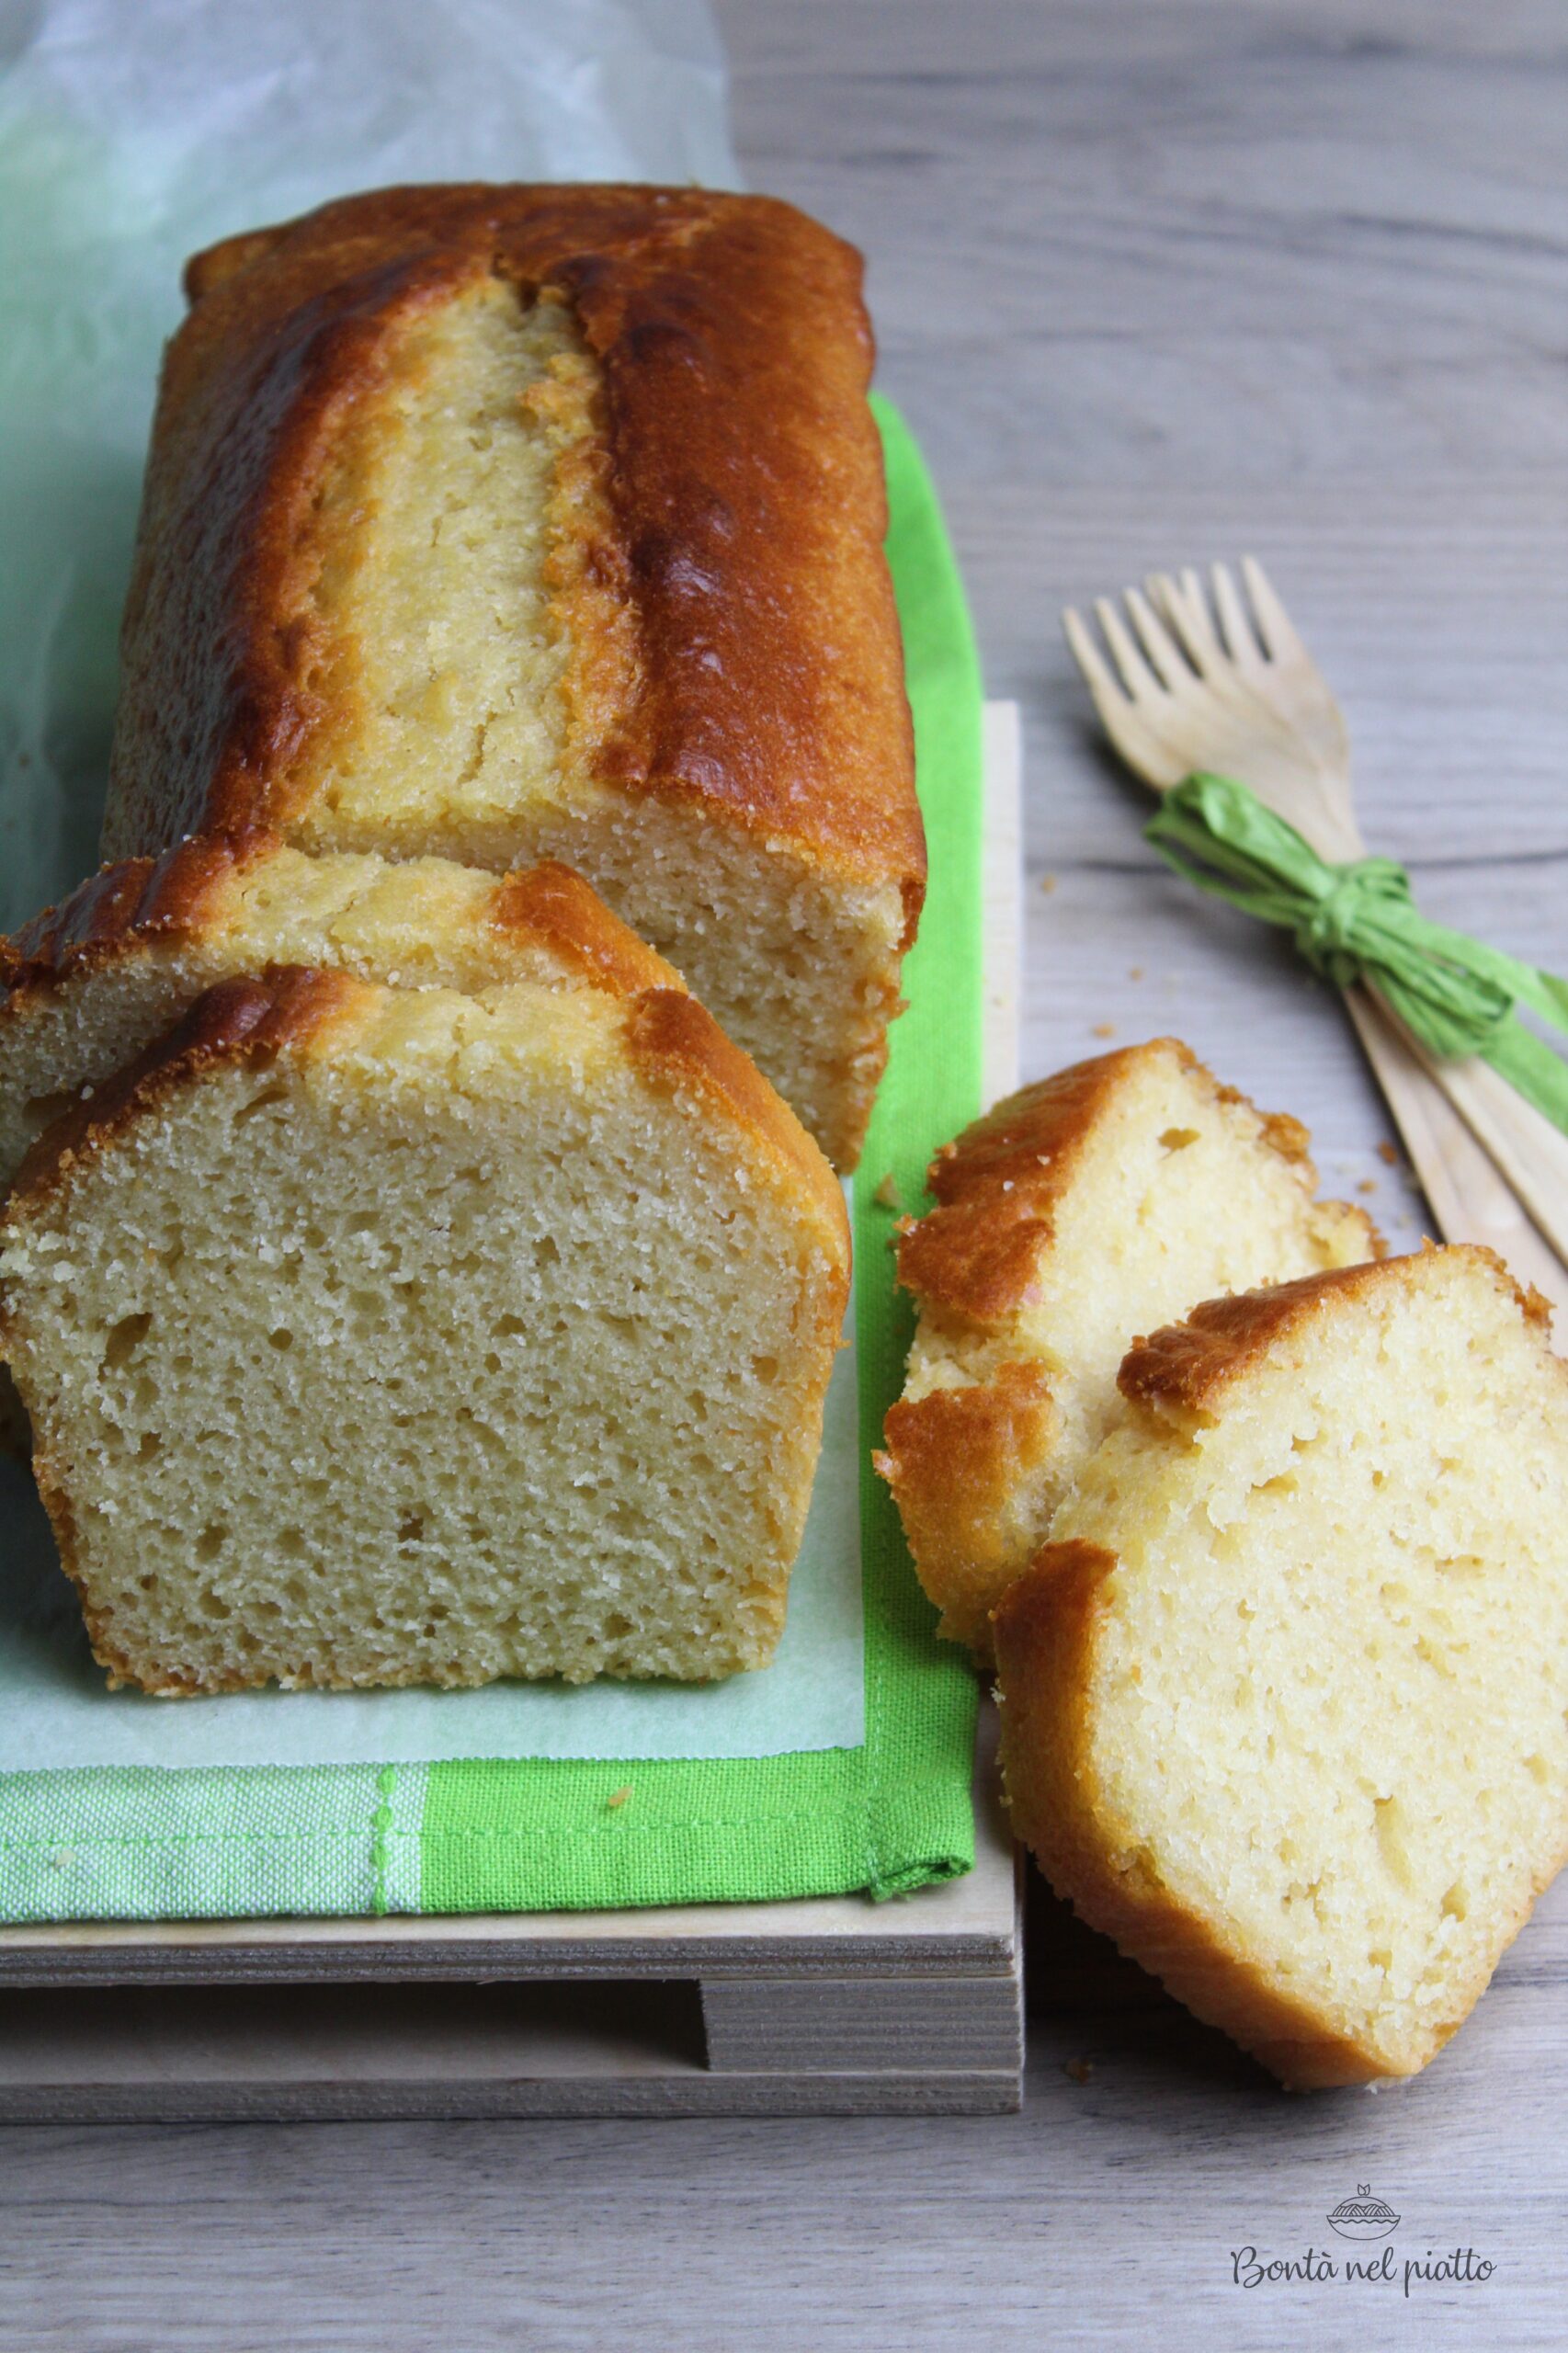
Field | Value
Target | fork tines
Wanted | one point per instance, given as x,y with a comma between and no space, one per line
1187,676
1176,635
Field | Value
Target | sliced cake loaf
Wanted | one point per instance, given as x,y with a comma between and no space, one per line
382,1336
88,985
1076,1215
502,523
1284,1698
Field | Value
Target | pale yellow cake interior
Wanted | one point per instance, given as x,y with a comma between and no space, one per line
1176,1196
448,1347
437,514
427,924
1326,1702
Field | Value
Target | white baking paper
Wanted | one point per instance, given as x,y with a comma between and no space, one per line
130,135
134,131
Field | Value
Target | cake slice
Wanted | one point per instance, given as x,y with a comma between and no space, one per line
1283,1699
88,985
383,1336
1087,1209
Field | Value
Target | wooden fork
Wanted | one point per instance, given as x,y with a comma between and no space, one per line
1233,689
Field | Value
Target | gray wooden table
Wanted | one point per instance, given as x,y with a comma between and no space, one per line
1156,281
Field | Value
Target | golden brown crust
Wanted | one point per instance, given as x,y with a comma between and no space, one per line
181,895
207,270
745,477
998,1185
550,905
1187,1365
234,1021
677,1043
1045,1630
136,898
955,1459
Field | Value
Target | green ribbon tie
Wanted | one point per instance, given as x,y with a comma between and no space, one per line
1357,922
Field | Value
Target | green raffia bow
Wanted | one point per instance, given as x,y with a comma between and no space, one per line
1357,922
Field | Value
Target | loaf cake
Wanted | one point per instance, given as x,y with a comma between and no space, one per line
88,985
382,1336
503,523
1284,1698
1076,1215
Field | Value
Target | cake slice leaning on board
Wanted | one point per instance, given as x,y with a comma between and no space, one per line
379,1336
506,523
1284,1698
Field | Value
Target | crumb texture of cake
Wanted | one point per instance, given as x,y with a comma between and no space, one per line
1078,1213
89,984
376,1336
500,524
1284,1698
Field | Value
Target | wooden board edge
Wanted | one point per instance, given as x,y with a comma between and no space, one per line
944,2092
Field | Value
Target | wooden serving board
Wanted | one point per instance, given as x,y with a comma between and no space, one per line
830,2006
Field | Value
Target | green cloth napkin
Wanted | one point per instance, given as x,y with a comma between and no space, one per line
890,1816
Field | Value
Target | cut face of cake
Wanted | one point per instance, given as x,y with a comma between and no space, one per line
509,523
1075,1215
89,984
378,1337
1284,1698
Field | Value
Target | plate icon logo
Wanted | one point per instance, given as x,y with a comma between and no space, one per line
1363,2216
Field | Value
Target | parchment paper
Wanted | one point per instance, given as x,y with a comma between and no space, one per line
134,131
130,135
